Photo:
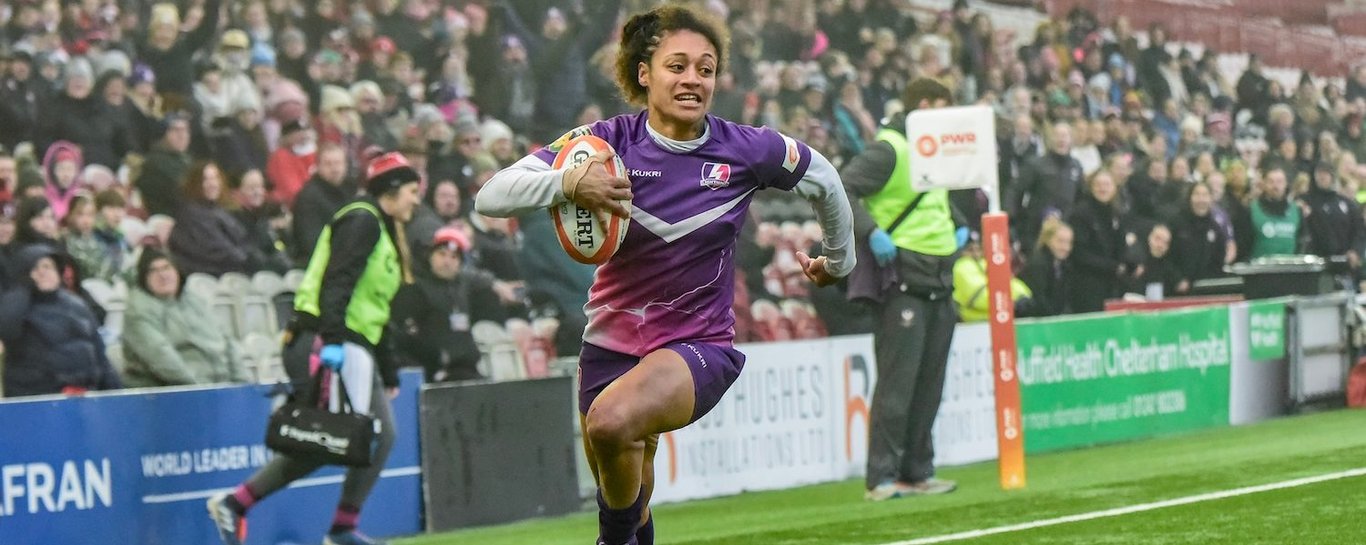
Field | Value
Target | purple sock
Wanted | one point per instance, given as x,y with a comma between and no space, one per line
645,535
241,500
345,520
618,526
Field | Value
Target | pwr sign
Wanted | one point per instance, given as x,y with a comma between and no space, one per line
954,148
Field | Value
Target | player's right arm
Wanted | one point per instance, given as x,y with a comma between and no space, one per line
524,186
530,184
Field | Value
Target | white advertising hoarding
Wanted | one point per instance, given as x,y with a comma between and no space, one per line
799,415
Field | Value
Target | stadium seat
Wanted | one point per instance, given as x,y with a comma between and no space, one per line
769,322
114,310
255,313
202,285
292,279
499,359
234,284
207,288
265,349
802,316
533,360
133,230
114,351
99,289
267,283
113,298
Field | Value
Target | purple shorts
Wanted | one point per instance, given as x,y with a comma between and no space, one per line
714,368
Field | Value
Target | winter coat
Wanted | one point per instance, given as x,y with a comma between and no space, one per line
162,173
263,240
91,255
313,209
101,131
287,173
20,103
52,339
970,289
174,67
171,342
59,198
1333,225
1047,279
1198,246
1097,253
433,318
207,239
558,65
1047,185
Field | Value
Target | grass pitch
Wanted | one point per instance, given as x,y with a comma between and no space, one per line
1060,484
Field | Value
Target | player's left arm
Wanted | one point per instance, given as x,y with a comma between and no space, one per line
821,186
792,165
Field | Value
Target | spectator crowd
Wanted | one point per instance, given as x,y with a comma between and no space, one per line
145,142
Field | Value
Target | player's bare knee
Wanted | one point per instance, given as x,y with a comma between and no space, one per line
609,427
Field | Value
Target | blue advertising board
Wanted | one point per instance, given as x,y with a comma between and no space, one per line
136,468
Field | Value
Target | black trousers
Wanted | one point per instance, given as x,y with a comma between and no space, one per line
911,342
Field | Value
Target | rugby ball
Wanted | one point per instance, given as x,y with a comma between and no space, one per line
586,236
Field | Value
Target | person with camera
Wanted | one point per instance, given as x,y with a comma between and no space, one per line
343,305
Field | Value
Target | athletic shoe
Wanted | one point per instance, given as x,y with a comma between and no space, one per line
232,528
631,541
884,491
897,489
350,538
927,487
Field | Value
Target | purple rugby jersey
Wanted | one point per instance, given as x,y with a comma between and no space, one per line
673,277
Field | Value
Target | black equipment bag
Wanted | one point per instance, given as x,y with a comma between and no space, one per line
302,430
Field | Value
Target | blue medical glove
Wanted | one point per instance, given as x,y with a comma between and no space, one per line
962,236
884,251
332,356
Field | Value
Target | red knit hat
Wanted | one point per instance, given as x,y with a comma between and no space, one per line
388,172
451,237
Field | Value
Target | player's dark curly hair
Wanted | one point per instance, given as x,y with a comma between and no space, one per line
643,32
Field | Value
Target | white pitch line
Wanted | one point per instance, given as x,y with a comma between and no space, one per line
1118,511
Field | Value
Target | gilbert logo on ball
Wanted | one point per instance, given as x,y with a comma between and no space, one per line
586,236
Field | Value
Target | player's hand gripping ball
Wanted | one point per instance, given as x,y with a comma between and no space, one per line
588,235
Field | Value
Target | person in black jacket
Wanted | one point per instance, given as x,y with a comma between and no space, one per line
171,56
1332,222
36,225
1048,271
266,223
1200,245
1157,266
434,316
52,340
1097,256
206,238
86,119
164,168
1047,186
559,54
21,95
322,196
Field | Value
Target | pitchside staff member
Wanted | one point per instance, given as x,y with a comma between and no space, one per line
916,317
355,271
